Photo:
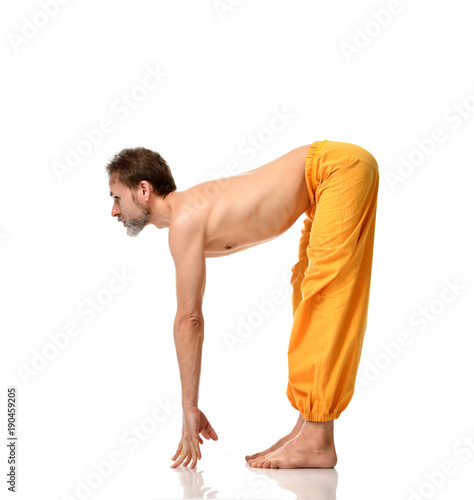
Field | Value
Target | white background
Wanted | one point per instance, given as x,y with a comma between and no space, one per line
227,70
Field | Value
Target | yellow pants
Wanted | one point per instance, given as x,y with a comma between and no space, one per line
331,280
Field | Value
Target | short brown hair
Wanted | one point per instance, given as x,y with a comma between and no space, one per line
133,165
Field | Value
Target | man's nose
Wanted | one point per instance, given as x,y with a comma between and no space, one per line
115,211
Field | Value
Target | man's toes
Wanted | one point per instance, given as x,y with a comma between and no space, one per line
253,457
259,461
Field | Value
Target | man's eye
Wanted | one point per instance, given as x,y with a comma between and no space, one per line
116,197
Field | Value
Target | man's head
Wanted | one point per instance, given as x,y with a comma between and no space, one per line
136,175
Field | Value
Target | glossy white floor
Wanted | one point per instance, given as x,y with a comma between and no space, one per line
369,468
385,455
221,87
380,469
226,476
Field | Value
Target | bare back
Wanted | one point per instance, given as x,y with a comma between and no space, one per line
245,210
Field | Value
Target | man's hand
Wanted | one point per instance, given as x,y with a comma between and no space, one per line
194,423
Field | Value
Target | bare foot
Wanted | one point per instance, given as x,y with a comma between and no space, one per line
282,441
313,446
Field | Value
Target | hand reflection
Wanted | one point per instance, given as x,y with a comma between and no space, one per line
192,483
305,483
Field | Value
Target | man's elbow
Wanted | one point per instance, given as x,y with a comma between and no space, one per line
194,320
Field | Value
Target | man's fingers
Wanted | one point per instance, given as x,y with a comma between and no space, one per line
194,460
178,462
195,444
187,452
178,451
188,459
212,433
209,433
181,457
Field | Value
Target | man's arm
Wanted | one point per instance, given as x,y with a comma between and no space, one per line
186,242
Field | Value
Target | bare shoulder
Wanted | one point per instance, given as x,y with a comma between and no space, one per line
186,241
187,234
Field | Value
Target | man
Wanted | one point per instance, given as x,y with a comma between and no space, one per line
335,184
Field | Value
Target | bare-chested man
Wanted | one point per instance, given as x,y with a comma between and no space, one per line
224,216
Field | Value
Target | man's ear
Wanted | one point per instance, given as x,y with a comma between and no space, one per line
145,189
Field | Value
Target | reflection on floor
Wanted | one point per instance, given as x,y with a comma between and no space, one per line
254,483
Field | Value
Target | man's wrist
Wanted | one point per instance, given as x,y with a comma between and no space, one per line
188,406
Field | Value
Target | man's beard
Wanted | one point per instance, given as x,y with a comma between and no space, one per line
134,226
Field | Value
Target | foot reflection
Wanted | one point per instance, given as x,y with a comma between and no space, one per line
305,483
